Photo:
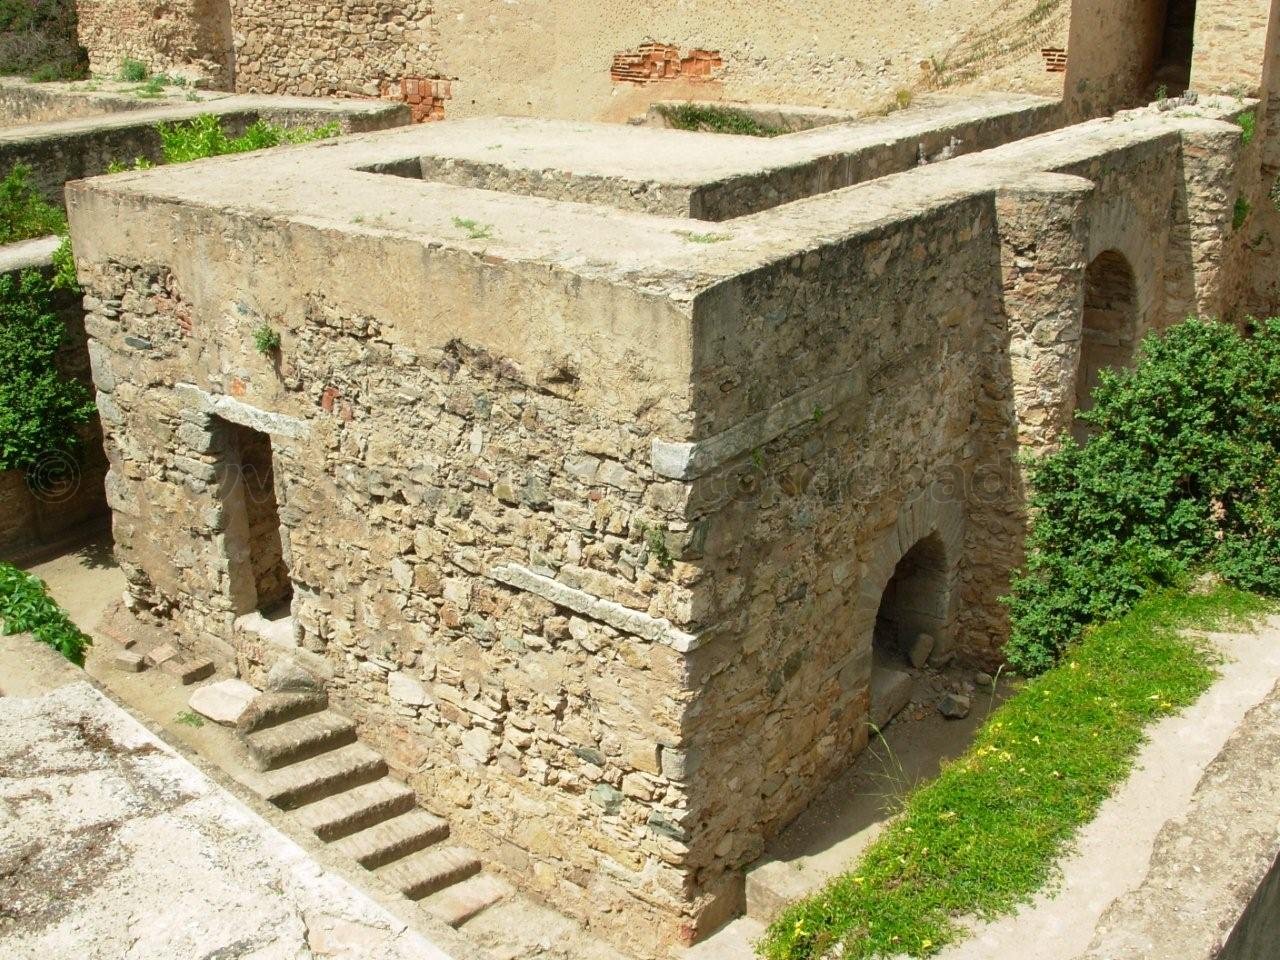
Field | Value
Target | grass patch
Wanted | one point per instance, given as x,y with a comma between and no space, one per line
703,237
474,229
189,718
987,833
706,118
25,606
205,137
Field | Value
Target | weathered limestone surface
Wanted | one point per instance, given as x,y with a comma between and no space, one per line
588,516
102,822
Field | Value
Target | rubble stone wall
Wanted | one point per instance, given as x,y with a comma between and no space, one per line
183,38
592,547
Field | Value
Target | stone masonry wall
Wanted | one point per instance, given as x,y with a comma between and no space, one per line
186,38
545,735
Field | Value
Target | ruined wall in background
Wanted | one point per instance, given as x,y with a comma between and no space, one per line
187,38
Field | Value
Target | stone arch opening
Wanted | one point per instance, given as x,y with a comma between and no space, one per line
1177,42
1109,330
914,602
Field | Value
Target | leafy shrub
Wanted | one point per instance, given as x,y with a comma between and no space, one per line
266,340
711,119
26,606
1182,471
205,137
41,410
38,39
24,214
134,71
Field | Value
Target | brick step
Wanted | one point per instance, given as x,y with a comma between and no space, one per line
429,871
269,709
392,839
322,776
462,901
356,809
299,739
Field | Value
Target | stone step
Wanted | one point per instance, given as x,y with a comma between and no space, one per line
299,739
270,709
429,871
392,839
356,809
462,901
322,776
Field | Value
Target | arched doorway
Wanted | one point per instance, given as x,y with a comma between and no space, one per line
1109,333
914,602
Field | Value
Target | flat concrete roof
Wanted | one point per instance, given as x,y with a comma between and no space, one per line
325,186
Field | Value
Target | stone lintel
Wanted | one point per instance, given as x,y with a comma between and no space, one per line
236,411
688,461
606,611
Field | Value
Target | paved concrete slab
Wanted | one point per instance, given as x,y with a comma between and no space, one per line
112,845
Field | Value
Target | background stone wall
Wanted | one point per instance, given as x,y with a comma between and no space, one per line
183,38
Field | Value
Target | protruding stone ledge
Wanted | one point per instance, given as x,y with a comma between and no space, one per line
688,461
606,611
236,411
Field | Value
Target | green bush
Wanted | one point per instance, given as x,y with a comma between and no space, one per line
41,410
1181,472
711,119
25,214
38,39
134,71
205,137
26,606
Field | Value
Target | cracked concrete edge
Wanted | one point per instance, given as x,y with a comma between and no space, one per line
53,671
1214,869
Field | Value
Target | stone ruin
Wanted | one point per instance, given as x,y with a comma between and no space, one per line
601,472
605,474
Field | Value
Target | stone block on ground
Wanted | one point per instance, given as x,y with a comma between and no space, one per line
954,706
126,661
223,702
188,671
162,654
921,648
288,677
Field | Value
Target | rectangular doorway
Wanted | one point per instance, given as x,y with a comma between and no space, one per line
259,569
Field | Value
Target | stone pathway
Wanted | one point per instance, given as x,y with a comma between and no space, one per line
112,845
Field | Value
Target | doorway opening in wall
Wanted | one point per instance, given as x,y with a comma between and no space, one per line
1109,330
1173,60
910,623
255,548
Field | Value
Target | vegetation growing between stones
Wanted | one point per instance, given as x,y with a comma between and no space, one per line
986,834
205,137
25,606
38,40
24,214
1182,471
266,340
706,118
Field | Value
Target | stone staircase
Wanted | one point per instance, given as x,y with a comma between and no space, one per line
311,763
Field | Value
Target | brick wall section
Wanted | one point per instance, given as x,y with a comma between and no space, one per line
655,62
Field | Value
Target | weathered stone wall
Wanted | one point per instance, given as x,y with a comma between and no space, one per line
320,48
589,523
23,102
184,38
